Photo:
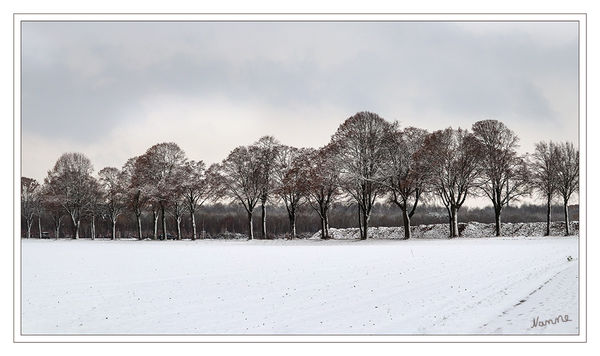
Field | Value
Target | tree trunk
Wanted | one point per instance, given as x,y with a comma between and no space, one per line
163,221
497,213
139,226
93,227
365,225
155,218
406,221
326,213
194,232
250,227
178,219
77,229
454,221
57,231
449,220
360,222
323,234
28,223
114,229
40,225
566,210
263,226
548,214
292,217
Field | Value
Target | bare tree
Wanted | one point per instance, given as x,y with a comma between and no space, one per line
504,174
267,148
242,179
322,182
155,207
95,206
30,201
405,178
199,185
144,182
361,150
178,209
290,177
544,175
113,187
70,180
449,159
144,190
177,201
39,211
157,170
54,207
135,198
567,170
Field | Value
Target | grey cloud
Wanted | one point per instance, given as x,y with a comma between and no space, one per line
82,79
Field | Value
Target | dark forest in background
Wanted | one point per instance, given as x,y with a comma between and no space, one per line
220,219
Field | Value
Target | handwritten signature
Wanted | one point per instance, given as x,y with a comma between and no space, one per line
559,319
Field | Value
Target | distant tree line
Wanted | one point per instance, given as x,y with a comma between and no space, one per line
220,220
371,171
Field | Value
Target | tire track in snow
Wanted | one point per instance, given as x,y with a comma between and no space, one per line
555,296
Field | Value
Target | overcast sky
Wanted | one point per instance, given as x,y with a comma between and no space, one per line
111,90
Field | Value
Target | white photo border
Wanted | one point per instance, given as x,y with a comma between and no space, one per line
581,18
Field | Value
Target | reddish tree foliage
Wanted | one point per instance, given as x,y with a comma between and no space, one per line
322,181
135,198
291,181
267,149
242,179
158,174
449,160
406,180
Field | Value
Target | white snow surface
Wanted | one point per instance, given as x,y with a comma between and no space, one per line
437,286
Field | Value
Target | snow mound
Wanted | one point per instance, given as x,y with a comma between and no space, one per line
229,236
441,231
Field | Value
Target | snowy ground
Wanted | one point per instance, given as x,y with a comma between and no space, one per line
460,286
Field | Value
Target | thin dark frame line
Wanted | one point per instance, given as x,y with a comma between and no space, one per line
21,153
13,197
308,335
304,342
578,143
297,21
586,174
295,335
299,13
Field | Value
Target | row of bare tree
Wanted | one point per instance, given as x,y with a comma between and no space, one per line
367,160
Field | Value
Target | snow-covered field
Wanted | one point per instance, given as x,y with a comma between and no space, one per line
460,286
